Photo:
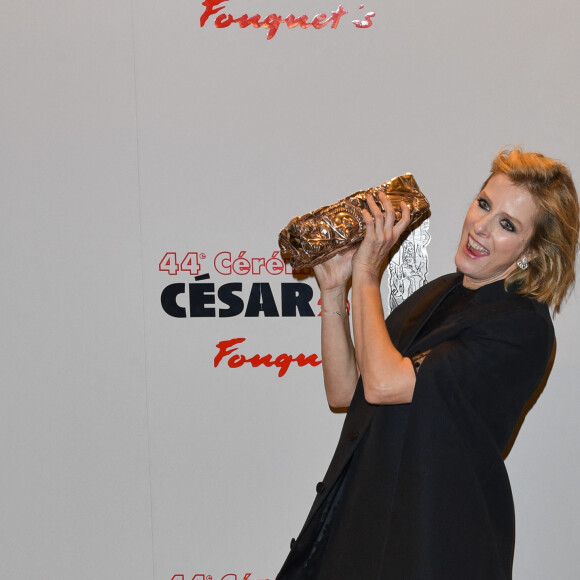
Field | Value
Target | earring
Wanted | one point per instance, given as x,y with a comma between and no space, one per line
523,263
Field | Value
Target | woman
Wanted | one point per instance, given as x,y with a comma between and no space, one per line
417,488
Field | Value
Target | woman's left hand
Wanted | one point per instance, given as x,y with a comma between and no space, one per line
381,235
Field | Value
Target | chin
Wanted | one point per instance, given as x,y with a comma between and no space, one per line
461,262
468,265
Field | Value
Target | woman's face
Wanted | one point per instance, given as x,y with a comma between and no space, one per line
496,232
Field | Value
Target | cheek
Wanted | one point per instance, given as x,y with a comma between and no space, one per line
509,245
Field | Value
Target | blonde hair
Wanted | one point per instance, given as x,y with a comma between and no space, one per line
550,273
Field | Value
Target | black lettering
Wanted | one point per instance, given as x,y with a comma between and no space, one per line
169,300
261,300
296,296
227,296
199,296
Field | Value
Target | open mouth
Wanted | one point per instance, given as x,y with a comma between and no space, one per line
476,249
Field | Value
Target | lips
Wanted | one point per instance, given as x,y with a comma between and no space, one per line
474,249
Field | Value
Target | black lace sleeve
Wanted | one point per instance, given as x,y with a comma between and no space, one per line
418,359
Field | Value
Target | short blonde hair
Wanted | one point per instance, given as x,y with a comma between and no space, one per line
550,273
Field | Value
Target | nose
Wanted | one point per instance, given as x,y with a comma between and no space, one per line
481,226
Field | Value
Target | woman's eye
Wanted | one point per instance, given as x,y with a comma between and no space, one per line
483,204
507,225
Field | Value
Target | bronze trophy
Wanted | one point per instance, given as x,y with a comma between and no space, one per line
317,236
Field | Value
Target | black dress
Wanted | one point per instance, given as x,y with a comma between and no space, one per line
420,491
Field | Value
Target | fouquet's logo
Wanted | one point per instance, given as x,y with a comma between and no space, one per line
272,22
204,298
228,349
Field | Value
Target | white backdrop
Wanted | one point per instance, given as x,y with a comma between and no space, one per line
130,133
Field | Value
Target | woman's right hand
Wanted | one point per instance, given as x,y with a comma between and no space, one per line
335,273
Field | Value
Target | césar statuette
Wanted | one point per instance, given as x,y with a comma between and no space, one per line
317,236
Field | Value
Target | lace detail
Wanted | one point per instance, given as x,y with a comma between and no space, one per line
418,359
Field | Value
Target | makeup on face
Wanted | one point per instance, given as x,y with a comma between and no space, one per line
496,232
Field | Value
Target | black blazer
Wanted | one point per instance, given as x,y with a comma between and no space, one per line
420,491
